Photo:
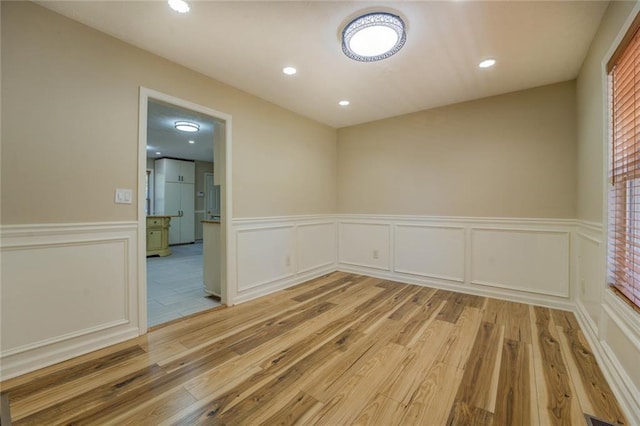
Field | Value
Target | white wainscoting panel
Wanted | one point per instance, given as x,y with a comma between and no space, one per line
526,260
66,290
589,274
264,255
611,326
274,253
316,246
430,250
365,244
533,260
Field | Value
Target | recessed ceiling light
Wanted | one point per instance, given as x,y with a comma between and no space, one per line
158,153
187,126
192,142
289,70
343,103
487,63
180,6
373,37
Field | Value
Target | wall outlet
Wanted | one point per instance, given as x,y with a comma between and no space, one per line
287,261
376,254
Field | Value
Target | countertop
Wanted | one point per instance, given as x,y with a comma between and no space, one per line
159,216
211,221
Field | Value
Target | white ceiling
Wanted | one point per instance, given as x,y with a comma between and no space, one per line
163,137
246,44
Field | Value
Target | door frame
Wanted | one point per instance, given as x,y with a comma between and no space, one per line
226,197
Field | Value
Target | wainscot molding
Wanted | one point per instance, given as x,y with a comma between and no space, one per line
72,290
496,293
610,325
275,253
520,259
622,385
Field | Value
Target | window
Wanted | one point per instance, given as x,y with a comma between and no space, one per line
624,193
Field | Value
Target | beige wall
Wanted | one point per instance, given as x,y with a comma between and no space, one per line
505,156
70,128
590,114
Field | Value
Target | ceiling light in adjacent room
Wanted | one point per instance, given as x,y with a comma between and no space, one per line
187,126
192,142
179,6
343,103
487,63
373,37
158,153
289,70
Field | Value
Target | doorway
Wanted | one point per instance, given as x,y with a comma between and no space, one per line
171,281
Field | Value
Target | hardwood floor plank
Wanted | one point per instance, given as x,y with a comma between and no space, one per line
278,328
208,387
456,303
381,411
431,403
416,325
412,304
455,350
463,414
552,378
593,391
409,374
513,404
297,411
332,285
51,396
348,400
339,349
96,399
150,412
74,372
479,386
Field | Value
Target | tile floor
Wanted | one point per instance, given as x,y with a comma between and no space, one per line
174,285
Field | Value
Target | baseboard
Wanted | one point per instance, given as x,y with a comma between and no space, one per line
615,374
44,356
282,284
515,296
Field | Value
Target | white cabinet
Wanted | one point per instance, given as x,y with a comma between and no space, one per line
177,170
175,197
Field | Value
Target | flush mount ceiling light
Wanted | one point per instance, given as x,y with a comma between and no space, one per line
344,103
373,37
192,142
179,6
487,63
289,70
187,126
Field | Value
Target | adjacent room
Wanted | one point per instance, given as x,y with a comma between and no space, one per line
182,200
311,212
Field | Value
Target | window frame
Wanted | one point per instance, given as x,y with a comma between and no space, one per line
628,35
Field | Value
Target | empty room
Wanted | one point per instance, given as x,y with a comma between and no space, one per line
320,212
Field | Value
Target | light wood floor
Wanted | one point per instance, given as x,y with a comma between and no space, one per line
341,349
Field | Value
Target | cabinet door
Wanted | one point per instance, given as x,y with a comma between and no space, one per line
173,207
173,170
187,221
154,239
188,171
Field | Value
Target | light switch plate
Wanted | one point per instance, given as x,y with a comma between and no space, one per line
124,196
